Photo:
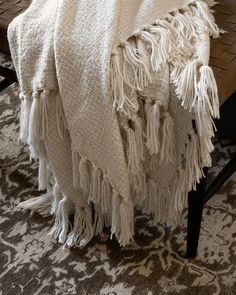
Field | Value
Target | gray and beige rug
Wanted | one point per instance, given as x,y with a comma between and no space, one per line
32,263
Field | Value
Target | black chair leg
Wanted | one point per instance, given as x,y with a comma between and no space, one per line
9,75
5,83
195,209
221,178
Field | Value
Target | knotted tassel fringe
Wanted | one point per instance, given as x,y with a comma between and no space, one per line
122,219
153,123
132,152
43,174
167,147
115,218
61,225
99,221
117,83
35,123
61,120
41,204
204,13
164,46
186,84
24,118
56,199
193,168
127,222
138,130
96,185
82,231
141,75
152,42
75,164
85,175
207,92
106,196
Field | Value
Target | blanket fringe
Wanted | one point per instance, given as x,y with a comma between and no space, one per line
83,230
24,117
122,219
153,123
61,224
171,41
167,147
40,204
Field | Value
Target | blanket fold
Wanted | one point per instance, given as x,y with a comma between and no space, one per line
117,105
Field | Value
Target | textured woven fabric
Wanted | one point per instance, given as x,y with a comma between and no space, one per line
117,105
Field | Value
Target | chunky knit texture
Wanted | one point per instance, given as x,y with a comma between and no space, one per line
117,106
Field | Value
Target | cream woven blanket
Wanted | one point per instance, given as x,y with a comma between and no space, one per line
117,101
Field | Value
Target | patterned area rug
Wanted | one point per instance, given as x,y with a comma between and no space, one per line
33,263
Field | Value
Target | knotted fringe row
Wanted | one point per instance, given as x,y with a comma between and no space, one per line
182,41
169,41
133,139
166,203
159,131
34,129
110,209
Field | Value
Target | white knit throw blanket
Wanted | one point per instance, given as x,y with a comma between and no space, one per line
117,101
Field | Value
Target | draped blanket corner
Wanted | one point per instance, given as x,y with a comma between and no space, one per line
117,105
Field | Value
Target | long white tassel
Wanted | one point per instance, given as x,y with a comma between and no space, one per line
164,45
41,204
138,130
207,91
153,123
127,222
75,165
115,218
132,152
117,82
180,191
24,118
43,174
35,122
56,198
167,147
45,96
133,58
204,13
84,175
96,184
99,221
153,44
138,185
106,196
193,162
61,120
186,84
82,231
61,224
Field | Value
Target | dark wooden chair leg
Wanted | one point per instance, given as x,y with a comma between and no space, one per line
4,84
195,209
9,75
221,178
